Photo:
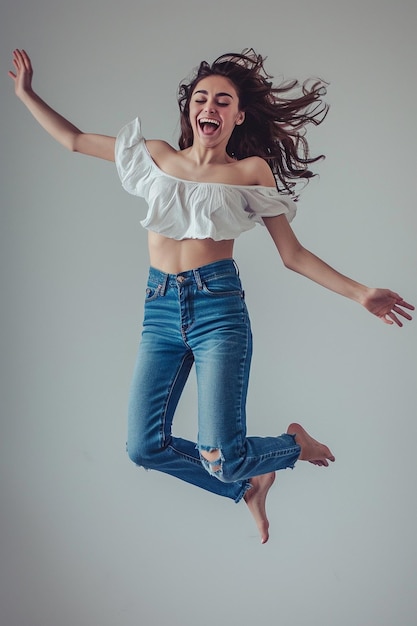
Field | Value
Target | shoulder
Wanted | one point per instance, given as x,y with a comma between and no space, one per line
158,148
257,171
163,154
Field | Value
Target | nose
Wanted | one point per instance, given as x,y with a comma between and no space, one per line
210,107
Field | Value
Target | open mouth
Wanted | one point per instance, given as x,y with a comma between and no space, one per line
208,125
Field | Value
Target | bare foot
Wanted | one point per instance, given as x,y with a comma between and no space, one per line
255,498
311,450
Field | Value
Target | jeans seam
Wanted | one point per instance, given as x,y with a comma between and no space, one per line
184,456
168,398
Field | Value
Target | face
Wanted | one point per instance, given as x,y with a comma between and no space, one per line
214,110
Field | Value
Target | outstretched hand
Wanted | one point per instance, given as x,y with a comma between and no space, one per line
23,75
387,305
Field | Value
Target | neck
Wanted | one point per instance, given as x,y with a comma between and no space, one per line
207,155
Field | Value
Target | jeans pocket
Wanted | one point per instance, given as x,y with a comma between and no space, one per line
152,293
223,286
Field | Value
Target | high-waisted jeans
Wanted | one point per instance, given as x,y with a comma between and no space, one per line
199,316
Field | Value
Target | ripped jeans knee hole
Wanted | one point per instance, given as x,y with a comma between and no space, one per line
212,460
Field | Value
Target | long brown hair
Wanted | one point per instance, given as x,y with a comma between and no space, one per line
275,116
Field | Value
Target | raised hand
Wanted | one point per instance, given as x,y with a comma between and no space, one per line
56,125
387,305
23,75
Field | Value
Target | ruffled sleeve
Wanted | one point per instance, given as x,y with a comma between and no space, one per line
132,162
268,202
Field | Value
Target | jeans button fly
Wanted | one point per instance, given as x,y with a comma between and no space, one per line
180,279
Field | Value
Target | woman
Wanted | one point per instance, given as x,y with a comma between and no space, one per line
241,144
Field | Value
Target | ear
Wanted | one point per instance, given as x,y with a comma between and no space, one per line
240,118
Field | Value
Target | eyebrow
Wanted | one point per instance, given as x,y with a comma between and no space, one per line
221,93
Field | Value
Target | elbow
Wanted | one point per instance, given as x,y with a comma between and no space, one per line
74,140
292,259
288,263
291,265
68,143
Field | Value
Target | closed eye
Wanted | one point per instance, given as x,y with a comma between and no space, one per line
220,104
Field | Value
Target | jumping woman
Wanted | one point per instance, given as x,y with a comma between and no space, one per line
241,152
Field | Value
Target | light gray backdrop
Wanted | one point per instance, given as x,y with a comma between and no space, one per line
86,537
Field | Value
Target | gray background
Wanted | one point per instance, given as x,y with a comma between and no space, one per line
88,538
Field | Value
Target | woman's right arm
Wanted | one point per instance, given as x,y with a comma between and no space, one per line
58,127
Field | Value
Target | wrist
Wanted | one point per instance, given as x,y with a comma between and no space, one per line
361,294
26,95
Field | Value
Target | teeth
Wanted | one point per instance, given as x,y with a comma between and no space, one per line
209,120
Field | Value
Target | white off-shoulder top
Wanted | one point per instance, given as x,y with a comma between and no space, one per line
185,209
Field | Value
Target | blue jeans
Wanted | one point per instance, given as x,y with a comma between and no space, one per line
199,317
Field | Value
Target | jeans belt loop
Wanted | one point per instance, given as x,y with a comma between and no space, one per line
197,279
163,285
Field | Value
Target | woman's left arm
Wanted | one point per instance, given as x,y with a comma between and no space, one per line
385,304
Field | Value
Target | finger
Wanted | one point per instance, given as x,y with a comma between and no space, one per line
12,74
401,312
17,60
20,58
385,319
405,304
395,319
26,60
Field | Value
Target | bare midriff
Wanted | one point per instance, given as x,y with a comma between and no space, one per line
174,256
